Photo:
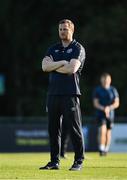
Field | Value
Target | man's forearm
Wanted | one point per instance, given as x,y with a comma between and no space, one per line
97,105
51,66
115,104
48,64
66,69
71,67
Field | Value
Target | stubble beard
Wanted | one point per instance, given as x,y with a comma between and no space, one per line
65,39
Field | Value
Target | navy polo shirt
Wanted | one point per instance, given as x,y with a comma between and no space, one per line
65,84
106,97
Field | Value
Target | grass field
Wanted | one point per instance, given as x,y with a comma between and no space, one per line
26,166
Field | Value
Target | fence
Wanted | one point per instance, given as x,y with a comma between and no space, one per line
30,134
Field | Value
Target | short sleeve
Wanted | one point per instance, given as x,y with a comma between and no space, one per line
95,93
48,53
116,94
79,53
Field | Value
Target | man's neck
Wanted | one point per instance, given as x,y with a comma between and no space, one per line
106,86
66,43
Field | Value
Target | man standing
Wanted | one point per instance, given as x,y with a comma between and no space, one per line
64,62
105,100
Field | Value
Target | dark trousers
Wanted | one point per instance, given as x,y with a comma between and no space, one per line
64,137
69,107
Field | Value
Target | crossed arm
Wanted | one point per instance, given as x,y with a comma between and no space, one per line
62,66
49,65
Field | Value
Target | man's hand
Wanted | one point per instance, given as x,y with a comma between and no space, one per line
107,111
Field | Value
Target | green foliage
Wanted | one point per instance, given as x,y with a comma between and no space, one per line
30,27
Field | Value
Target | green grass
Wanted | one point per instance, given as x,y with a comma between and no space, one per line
26,166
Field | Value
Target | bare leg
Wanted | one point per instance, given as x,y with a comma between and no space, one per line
102,137
108,140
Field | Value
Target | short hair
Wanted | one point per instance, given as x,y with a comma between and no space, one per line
69,22
105,74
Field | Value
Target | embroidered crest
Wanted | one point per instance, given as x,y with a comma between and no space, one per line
57,50
69,50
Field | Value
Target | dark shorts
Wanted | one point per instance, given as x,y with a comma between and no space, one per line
109,122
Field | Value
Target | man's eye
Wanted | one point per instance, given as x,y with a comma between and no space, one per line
64,29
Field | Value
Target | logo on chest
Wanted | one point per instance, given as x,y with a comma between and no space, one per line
56,50
69,50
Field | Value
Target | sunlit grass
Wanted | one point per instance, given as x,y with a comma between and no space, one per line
26,166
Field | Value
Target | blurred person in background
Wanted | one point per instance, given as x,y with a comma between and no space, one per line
64,62
105,101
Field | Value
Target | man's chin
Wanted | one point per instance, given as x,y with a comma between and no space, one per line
64,39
